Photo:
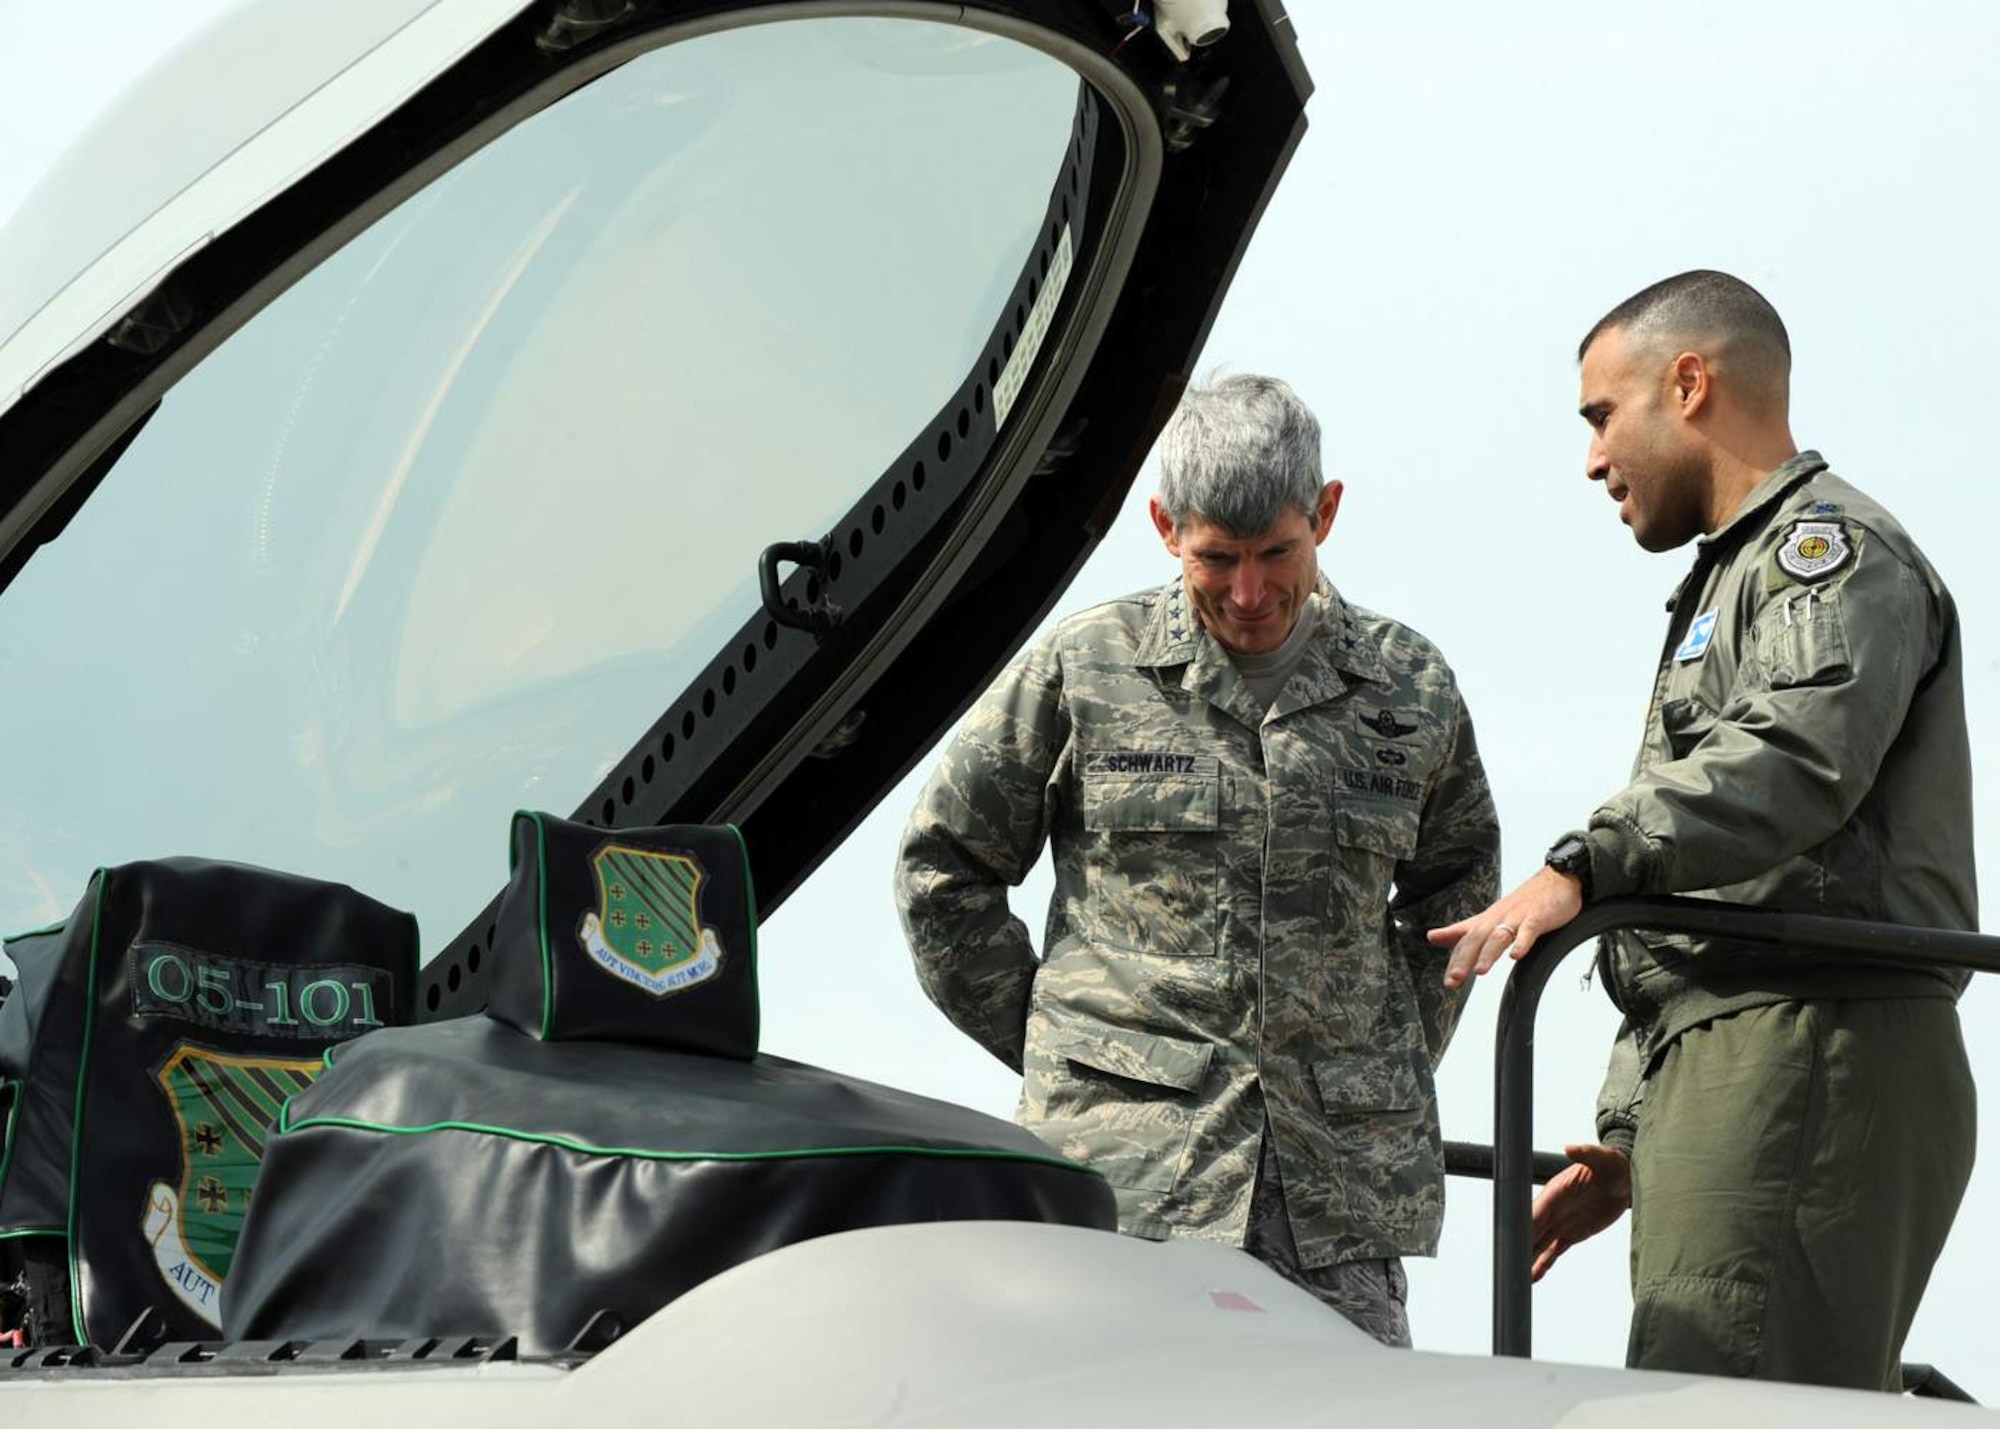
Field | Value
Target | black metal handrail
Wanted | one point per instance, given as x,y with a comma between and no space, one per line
1514,1043
1474,1161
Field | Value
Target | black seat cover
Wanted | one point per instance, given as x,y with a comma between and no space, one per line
152,1040
488,1176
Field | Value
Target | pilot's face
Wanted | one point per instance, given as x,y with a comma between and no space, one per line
1249,591
1640,447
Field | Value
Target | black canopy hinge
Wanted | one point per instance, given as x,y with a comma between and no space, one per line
155,322
1190,103
577,22
818,615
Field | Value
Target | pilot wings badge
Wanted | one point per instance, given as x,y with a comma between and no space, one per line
1388,724
646,928
224,1106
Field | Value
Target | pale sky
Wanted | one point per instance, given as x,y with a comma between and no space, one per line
1476,188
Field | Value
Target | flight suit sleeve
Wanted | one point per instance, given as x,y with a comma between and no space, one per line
1826,677
1453,874
1624,1091
977,830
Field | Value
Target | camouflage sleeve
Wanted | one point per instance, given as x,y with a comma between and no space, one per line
1454,873
977,830
1824,687
1623,1093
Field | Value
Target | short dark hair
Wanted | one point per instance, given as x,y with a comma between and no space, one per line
1699,302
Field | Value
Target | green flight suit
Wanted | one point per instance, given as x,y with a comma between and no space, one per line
1237,933
1801,1123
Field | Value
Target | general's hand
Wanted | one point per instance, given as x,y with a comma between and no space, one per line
1509,928
1581,1200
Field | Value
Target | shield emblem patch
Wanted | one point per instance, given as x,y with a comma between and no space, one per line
646,928
224,1107
1815,549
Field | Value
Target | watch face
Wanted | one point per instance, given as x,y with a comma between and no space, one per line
1571,855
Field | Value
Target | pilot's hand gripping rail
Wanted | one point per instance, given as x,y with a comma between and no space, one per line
1514,1043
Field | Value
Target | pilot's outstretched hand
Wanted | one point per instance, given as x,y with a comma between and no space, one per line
1579,1201
1509,928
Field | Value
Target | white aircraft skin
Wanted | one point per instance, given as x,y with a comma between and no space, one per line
979,1325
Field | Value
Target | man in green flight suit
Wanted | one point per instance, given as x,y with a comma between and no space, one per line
1259,795
1793,1130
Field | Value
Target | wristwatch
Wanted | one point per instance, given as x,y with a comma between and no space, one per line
1571,854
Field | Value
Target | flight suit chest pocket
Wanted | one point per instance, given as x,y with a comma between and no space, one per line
1155,856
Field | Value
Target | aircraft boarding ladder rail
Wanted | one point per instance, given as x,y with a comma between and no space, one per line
1515,1167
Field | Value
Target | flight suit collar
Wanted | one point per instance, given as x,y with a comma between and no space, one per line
1752,516
1755,510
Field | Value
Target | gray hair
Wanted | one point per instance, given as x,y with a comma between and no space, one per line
1240,452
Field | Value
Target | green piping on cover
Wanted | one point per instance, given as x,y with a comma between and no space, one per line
943,1153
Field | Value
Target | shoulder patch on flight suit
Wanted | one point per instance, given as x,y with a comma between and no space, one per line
1812,551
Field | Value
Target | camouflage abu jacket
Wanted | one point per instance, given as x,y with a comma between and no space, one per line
1805,749
1223,942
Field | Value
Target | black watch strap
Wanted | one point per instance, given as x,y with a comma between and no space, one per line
1571,854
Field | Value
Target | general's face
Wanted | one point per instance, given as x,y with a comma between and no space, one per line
1640,447
1249,592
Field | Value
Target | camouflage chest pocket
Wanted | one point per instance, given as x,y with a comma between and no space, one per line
1377,812
1155,863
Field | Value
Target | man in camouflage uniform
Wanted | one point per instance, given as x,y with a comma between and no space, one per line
1792,1128
1259,796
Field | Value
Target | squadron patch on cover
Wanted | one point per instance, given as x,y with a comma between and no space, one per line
224,1106
646,928
1815,549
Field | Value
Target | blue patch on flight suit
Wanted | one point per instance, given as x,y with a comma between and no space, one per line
1699,635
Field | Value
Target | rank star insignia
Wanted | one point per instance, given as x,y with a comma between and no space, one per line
1815,549
663,947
